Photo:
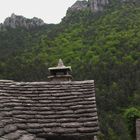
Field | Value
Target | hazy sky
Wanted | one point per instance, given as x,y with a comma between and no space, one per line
51,11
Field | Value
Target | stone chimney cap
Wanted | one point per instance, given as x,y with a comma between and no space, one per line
60,66
60,63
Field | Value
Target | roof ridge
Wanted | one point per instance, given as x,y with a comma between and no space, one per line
44,82
6,81
56,82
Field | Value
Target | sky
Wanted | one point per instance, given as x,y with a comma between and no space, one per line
51,11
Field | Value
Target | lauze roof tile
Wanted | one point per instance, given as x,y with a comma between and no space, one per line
39,110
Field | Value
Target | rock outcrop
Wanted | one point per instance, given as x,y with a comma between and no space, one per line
19,21
95,5
79,5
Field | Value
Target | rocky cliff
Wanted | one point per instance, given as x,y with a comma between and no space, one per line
79,5
19,21
95,5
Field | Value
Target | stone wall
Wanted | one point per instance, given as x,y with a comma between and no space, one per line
138,129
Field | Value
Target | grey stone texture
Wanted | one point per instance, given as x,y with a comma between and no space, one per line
38,110
95,5
19,21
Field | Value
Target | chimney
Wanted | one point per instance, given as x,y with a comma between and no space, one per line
60,72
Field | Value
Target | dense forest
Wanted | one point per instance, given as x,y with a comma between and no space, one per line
104,46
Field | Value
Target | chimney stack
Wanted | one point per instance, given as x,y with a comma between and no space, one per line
60,72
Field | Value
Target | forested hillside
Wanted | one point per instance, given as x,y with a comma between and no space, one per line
104,46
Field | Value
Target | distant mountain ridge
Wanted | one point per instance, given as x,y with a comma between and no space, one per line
15,21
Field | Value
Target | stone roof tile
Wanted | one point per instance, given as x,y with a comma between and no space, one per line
43,109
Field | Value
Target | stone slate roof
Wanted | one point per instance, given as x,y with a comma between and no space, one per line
40,110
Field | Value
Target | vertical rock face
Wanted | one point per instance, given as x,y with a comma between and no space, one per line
97,5
93,5
20,21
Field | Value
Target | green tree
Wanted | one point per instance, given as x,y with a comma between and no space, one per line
131,114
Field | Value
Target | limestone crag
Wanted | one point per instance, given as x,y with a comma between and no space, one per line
79,5
19,21
95,5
